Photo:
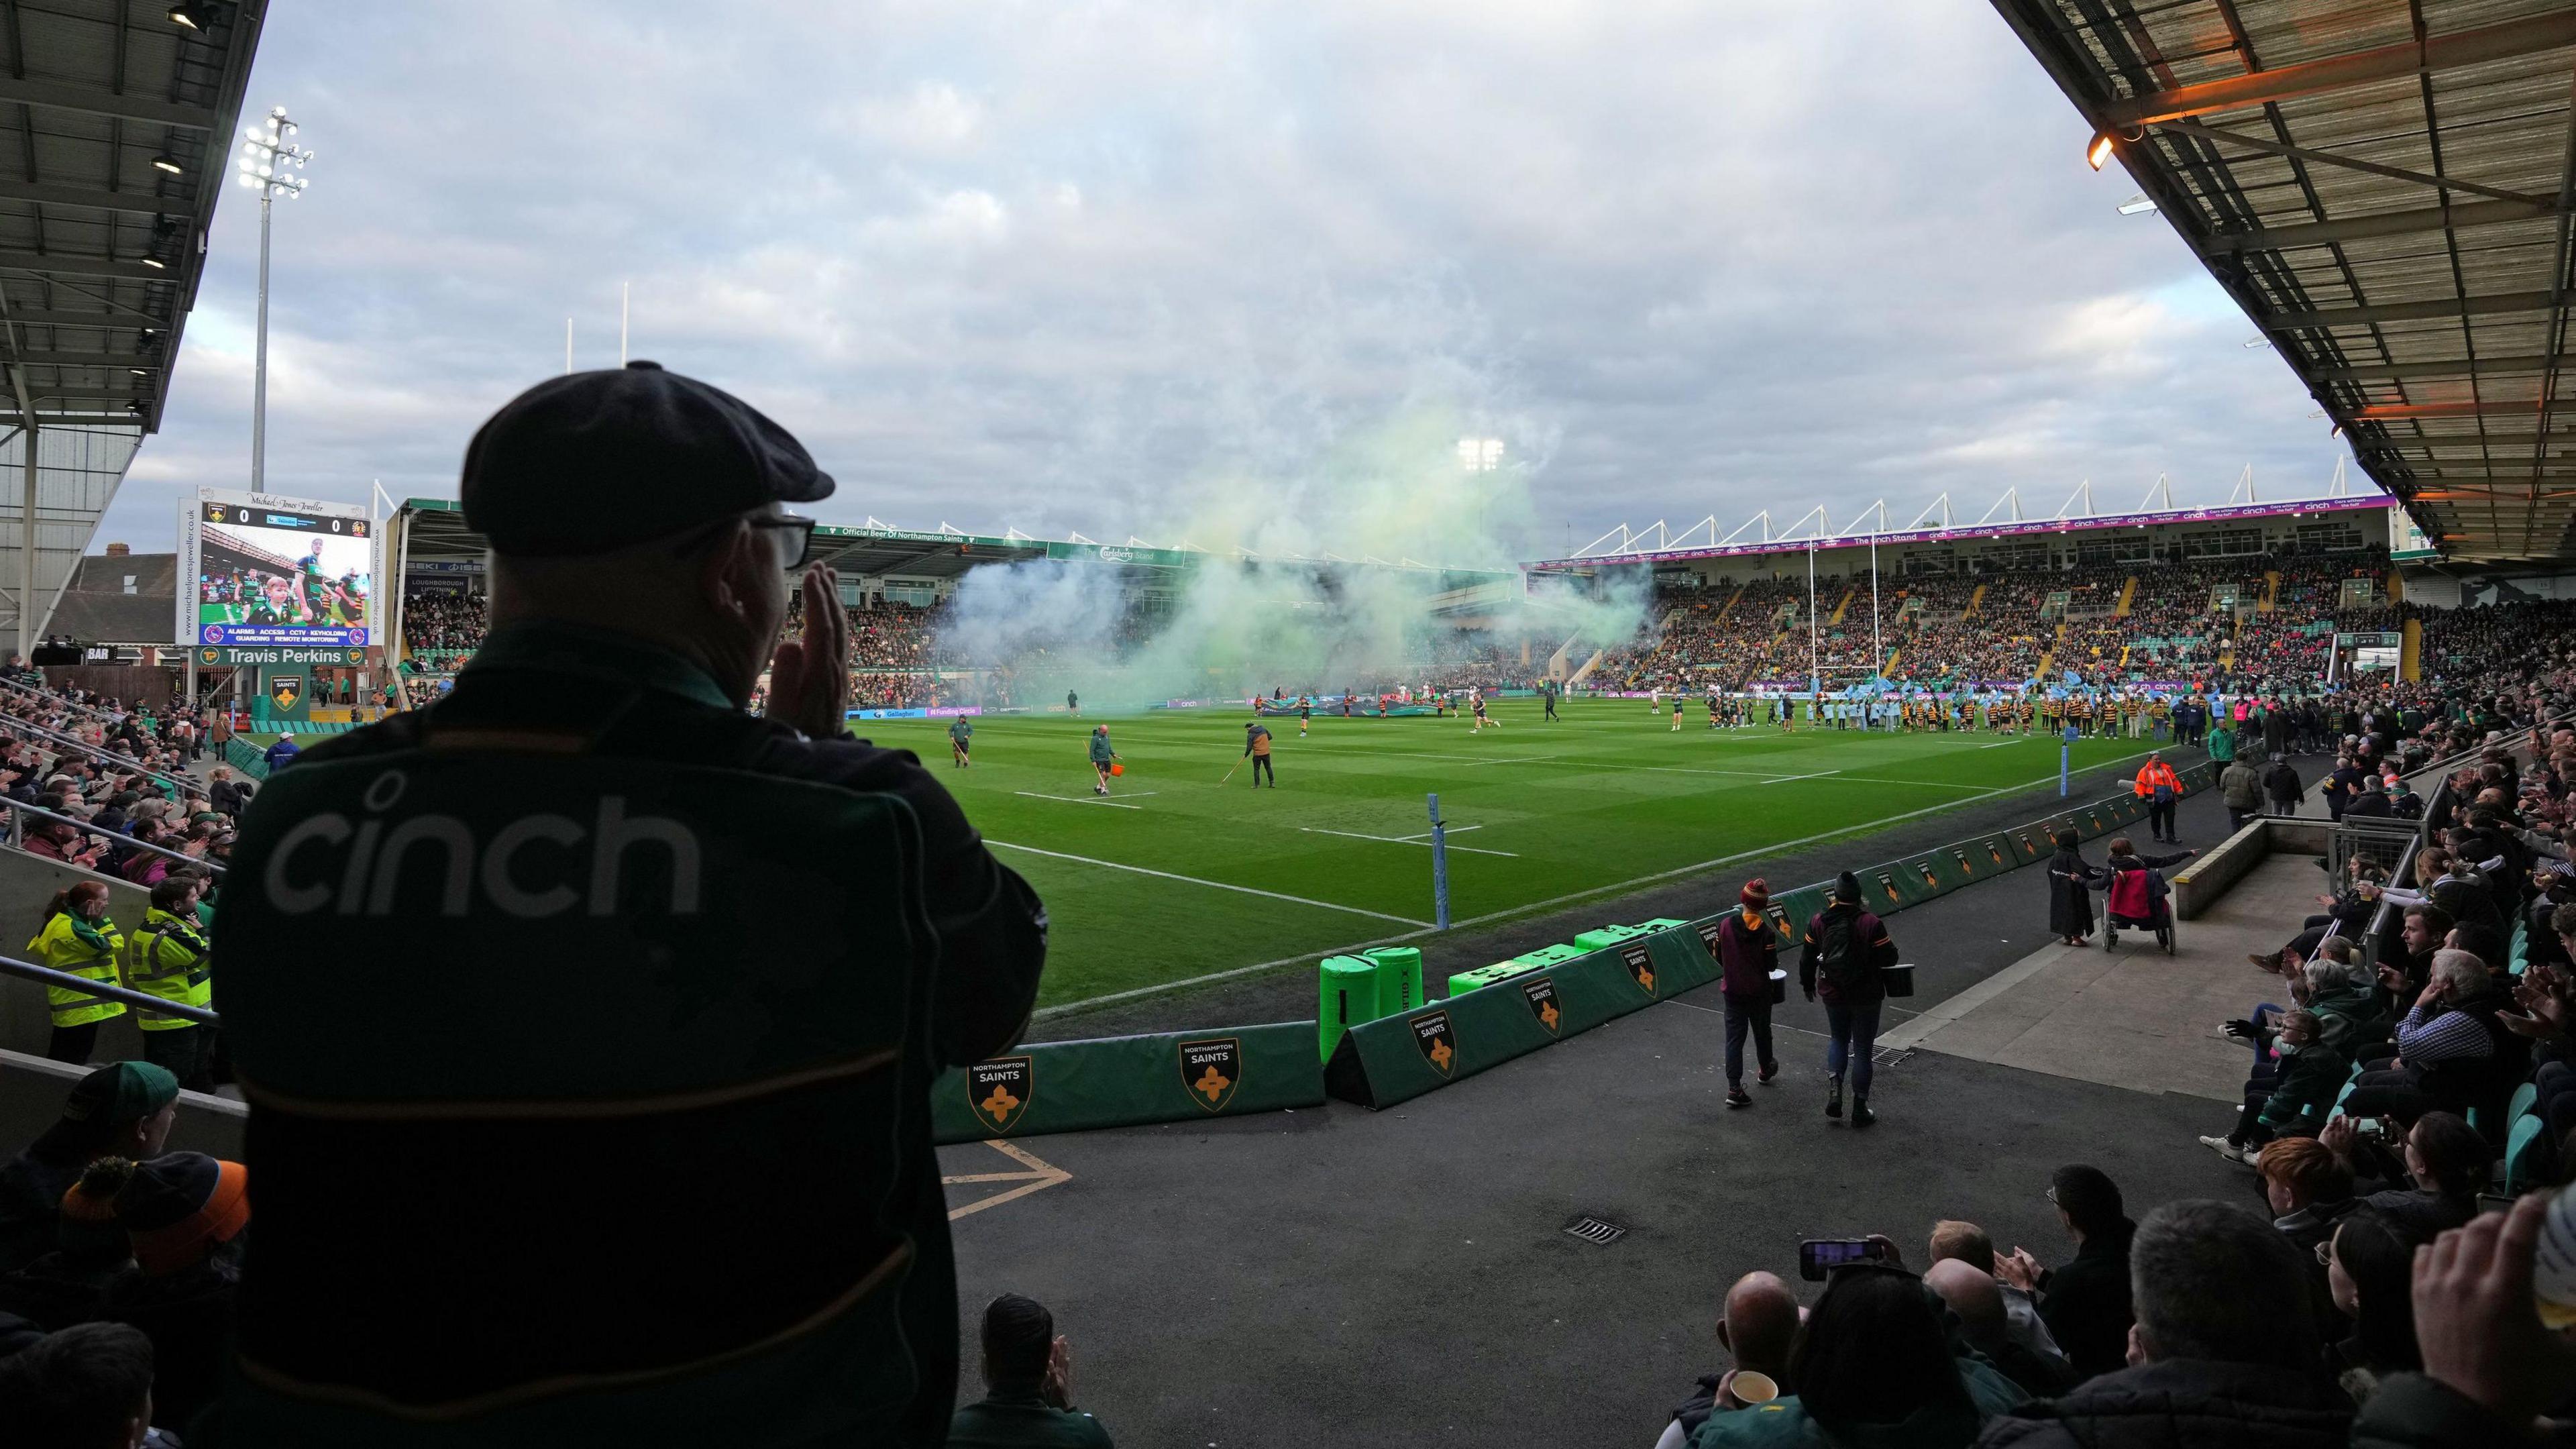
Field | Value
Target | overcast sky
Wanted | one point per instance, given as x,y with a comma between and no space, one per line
1114,265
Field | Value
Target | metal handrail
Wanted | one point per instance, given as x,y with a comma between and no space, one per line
30,971
18,814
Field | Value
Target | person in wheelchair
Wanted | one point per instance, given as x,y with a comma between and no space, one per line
2136,894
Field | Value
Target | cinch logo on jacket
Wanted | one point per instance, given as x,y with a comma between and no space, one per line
532,867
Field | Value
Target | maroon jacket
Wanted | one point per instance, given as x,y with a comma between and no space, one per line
1747,954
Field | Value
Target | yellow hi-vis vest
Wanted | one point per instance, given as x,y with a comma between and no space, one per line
167,956
60,947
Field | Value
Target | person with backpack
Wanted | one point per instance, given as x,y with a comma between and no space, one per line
1845,950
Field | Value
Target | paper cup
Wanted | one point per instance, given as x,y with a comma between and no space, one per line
1750,1387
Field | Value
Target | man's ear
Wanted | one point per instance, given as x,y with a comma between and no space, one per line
720,575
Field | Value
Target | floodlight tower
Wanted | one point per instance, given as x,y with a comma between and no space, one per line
272,164
1480,455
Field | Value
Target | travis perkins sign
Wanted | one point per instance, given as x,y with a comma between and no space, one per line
281,655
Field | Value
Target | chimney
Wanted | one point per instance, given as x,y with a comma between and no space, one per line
118,550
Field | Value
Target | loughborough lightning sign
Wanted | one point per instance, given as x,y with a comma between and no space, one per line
257,570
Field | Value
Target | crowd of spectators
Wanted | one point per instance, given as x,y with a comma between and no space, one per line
445,627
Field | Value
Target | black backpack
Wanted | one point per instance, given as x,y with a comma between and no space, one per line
1840,951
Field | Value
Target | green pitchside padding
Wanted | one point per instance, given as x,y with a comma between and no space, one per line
1347,995
1120,1081
1400,1057
1399,978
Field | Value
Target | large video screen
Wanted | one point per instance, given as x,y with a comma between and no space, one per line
269,574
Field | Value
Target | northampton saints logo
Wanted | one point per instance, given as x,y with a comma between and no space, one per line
999,1091
285,690
1708,936
1439,1044
1211,1070
1995,849
1641,966
1541,996
1929,879
1887,883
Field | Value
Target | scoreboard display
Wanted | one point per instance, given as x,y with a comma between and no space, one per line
261,570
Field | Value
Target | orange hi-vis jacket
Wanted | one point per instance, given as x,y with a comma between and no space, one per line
2154,773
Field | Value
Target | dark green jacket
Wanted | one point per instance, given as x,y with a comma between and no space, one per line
2350,1016
1019,1419
2308,1082
2411,1411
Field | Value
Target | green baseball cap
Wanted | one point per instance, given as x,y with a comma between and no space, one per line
121,1092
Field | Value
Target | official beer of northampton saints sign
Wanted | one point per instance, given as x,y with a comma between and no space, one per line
1438,1043
999,1091
1541,996
1211,1070
1640,965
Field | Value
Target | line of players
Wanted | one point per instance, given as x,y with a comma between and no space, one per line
2092,717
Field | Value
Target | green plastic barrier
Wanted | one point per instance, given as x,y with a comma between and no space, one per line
1602,938
1347,988
1463,982
1399,978
1076,1086
1397,1058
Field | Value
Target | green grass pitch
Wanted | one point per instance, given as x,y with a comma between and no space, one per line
1177,876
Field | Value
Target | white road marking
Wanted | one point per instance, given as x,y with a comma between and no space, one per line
1090,799
1401,840
1213,884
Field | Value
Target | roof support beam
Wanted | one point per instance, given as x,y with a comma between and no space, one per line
2425,371
2390,412
2439,52
56,96
2466,215
2354,163
138,202
91,359
2401,444
2440,309
85,267
105,321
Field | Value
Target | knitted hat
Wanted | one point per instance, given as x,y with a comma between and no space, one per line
121,1092
1756,893
180,1205
1847,887
85,1220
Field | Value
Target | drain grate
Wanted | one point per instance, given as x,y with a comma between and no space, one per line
1597,1231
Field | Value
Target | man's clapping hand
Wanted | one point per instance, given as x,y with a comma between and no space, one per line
2477,1319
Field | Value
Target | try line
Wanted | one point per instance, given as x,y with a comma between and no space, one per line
1214,884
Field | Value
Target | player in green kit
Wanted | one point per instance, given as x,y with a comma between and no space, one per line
961,734
1305,714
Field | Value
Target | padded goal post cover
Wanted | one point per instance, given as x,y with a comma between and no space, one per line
1181,1076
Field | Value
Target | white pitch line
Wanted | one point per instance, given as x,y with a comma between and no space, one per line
1785,779
1398,840
1092,800
1213,884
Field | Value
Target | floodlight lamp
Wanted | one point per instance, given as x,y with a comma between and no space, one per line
2099,151
164,163
278,111
156,264
2136,204
252,131
188,16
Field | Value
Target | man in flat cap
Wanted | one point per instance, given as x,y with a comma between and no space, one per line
588,1022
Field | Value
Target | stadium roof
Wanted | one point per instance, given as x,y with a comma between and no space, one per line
1659,542
116,122
2387,190
437,532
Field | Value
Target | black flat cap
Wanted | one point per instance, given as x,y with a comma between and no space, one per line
595,461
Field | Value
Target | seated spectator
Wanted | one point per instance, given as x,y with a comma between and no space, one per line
2453,1053
1977,1300
86,1387
2295,1096
2310,1191
70,1284
2225,1349
1756,1328
123,1109
2442,1164
1028,1378
183,1215
1968,1243
1872,1364
2369,1273
2085,1303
